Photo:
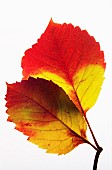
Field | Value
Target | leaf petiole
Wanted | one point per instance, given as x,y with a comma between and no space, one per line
96,158
97,147
94,138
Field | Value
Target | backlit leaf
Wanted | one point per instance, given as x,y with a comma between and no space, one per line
72,59
42,110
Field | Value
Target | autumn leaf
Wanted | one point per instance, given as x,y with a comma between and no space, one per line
41,110
62,77
72,59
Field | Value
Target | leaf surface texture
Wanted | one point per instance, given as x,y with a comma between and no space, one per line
42,110
72,59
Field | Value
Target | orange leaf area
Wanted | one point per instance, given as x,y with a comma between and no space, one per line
42,110
72,59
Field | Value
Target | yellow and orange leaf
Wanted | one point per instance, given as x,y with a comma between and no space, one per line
42,110
72,59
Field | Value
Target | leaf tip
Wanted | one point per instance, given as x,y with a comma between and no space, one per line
51,22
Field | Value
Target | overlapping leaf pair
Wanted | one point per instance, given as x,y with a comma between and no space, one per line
63,73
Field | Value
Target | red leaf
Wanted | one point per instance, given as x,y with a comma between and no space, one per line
72,59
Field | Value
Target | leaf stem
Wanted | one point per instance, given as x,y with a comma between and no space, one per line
92,145
97,148
96,143
96,158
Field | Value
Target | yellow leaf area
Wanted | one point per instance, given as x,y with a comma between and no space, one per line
42,110
84,87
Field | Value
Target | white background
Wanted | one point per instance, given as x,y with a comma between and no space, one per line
21,24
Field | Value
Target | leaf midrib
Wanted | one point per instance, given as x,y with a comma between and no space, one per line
86,141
